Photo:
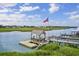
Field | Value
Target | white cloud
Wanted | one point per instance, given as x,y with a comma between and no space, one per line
53,8
5,7
30,20
26,4
16,18
11,19
19,19
63,23
7,4
3,10
34,16
29,8
74,17
71,13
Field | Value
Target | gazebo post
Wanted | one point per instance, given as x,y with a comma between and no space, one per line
31,35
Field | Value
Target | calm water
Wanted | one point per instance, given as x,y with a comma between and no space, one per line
9,41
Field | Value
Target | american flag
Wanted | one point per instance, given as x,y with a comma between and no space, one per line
46,20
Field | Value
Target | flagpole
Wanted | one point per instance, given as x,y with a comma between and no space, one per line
48,25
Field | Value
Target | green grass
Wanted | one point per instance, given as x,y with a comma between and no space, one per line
69,51
50,49
25,29
15,29
33,53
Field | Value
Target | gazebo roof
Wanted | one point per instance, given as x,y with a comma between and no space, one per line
38,32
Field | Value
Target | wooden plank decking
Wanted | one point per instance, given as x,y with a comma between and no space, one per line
28,43
32,44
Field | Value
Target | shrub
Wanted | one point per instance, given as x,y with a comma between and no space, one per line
38,53
57,53
10,54
50,47
69,51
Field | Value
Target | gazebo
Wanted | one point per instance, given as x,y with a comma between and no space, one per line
38,36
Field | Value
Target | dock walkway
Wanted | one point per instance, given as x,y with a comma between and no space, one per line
64,39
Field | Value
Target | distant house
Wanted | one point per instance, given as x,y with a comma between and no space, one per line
38,35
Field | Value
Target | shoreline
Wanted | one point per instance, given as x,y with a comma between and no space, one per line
26,29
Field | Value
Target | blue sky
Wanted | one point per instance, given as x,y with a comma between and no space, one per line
33,14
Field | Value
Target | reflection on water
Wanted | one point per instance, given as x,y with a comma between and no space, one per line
9,41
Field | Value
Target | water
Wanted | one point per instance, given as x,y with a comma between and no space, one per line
9,41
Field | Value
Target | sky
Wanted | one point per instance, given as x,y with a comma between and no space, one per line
33,14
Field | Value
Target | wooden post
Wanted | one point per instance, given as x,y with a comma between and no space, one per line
31,35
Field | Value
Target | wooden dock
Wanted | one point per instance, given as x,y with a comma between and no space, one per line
61,39
31,44
28,43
